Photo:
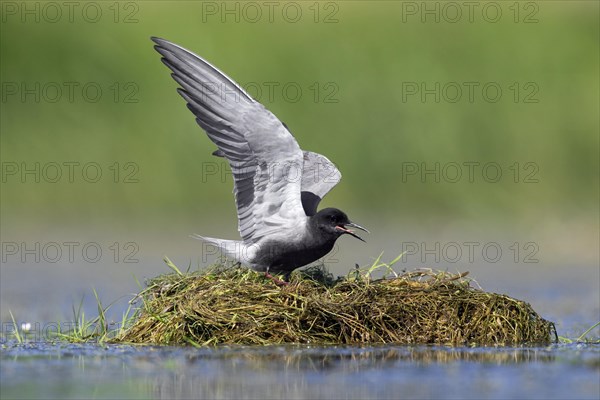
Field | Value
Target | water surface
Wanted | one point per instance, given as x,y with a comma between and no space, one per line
43,370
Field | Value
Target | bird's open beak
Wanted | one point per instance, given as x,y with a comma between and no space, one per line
351,233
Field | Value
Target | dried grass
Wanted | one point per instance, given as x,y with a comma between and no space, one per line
240,306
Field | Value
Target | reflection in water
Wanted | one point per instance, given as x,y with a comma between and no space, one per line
301,371
298,371
353,359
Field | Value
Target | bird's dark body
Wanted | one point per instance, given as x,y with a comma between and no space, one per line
283,258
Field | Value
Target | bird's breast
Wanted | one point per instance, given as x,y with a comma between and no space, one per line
287,255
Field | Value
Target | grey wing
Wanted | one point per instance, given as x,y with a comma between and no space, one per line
265,159
319,176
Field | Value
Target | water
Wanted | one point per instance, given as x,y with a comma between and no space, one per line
387,372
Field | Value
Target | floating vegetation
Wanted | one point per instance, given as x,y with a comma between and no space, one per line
234,305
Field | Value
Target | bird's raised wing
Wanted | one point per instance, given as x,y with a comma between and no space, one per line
319,176
265,159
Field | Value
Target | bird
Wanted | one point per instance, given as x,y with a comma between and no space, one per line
277,186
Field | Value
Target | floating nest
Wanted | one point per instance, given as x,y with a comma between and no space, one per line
240,306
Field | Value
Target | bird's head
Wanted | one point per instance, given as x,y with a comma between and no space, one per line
335,223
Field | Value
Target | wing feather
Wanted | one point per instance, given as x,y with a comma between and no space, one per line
319,176
264,157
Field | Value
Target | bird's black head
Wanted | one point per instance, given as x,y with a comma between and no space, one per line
334,223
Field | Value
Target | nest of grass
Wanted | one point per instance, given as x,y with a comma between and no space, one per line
240,306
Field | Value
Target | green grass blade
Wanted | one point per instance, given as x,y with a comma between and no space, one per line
17,334
584,334
172,266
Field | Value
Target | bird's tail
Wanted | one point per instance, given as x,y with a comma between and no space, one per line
234,249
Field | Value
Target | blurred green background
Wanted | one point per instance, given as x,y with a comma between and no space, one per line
355,63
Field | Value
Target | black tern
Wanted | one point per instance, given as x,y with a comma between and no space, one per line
277,186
